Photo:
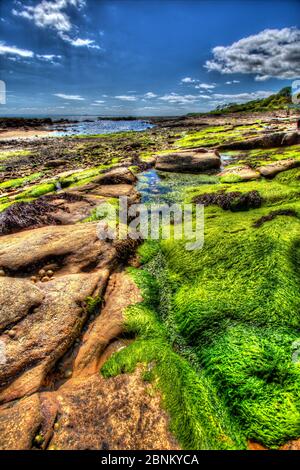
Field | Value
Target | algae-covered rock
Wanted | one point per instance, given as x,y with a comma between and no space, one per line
272,169
238,174
276,139
188,162
116,176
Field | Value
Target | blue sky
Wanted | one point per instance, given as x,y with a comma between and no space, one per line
144,57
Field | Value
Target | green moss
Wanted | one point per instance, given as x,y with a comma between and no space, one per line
6,154
17,182
219,325
216,135
198,417
37,191
231,178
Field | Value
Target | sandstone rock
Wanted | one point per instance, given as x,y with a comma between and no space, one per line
271,170
47,333
18,297
19,423
276,139
244,173
55,163
120,293
50,314
117,413
108,191
116,176
290,139
191,161
74,250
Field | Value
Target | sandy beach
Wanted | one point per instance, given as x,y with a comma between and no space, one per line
21,133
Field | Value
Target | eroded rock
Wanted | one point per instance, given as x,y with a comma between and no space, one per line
271,170
191,161
241,172
19,423
276,139
116,413
120,293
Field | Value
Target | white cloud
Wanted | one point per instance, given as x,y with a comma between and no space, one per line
241,97
174,98
188,80
206,86
126,98
49,57
90,43
69,97
99,101
13,50
270,53
150,95
51,14
231,82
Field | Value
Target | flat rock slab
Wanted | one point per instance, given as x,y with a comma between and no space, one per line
244,173
119,413
73,249
43,316
19,423
271,170
116,176
45,334
121,292
276,139
188,161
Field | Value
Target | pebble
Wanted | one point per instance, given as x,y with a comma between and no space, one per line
2,273
50,273
56,426
42,272
68,374
33,278
45,279
11,333
39,439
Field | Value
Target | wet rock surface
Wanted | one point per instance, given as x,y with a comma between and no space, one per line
272,169
188,161
243,173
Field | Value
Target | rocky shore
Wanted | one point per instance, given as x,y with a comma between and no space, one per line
118,344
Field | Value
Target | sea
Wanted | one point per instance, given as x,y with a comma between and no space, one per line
90,125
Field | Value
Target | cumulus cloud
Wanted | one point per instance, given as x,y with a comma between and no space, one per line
49,13
150,95
270,53
126,98
15,51
52,14
69,97
188,80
